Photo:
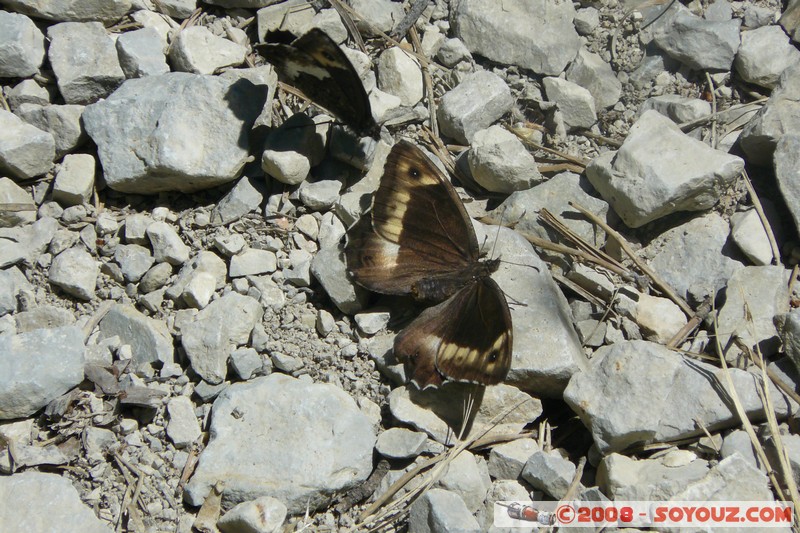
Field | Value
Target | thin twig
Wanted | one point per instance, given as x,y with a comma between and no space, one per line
657,281
580,161
427,81
712,91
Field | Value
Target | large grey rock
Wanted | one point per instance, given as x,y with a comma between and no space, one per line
149,339
466,475
787,173
58,505
549,472
596,76
507,460
732,479
778,117
27,92
329,268
25,151
74,181
63,122
764,54
75,271
84,60
695,258
532,34
197,50
638,392
555,195
70,10
21,46
38,367
764,290
177,131
473,105
400,74
700,44
26,243
243,198
659,170
216,331
278,436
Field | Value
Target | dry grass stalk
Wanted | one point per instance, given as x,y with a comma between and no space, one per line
623,243
427,82
350,24
523,136
773,243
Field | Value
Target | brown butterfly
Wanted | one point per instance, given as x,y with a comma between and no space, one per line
418,240
316,65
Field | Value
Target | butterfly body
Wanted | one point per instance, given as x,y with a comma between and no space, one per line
418,240
316,65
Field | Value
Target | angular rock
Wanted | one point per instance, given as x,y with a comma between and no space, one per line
278,436
176,131
215,331
626,478
199,51
84,60
437,413
787,173
68,10
63,122
764,54
329,268
21,46
441,511
678,108
765,292
37,367
59,505
25,151
629,396
205,261
399,74
252,262
575,103
134,261
549,472
732,479
167,244
477,102
507,460
28,242
243,198
555,194
75,271
262,514
532,34
499,162
595,75
27,92
74,180
149,339
694,258
700,44
748,232
659,170
141,53
400,443
183,428
466,475
11,193
778,117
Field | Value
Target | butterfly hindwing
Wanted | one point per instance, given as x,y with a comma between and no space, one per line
316,65
468,337
418,227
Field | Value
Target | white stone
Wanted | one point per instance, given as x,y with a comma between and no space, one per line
74,181
399,74
197,50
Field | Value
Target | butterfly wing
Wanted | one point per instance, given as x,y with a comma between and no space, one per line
465,338
320,69
417,228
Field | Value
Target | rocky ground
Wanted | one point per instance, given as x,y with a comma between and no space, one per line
180,344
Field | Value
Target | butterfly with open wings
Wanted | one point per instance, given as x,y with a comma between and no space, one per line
314,64
418,240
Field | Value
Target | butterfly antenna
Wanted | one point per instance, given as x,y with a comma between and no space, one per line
497,235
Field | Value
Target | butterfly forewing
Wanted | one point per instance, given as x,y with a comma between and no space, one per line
419,227
320,69
465,338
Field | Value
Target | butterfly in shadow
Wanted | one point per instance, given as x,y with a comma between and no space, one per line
418,240
314,64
